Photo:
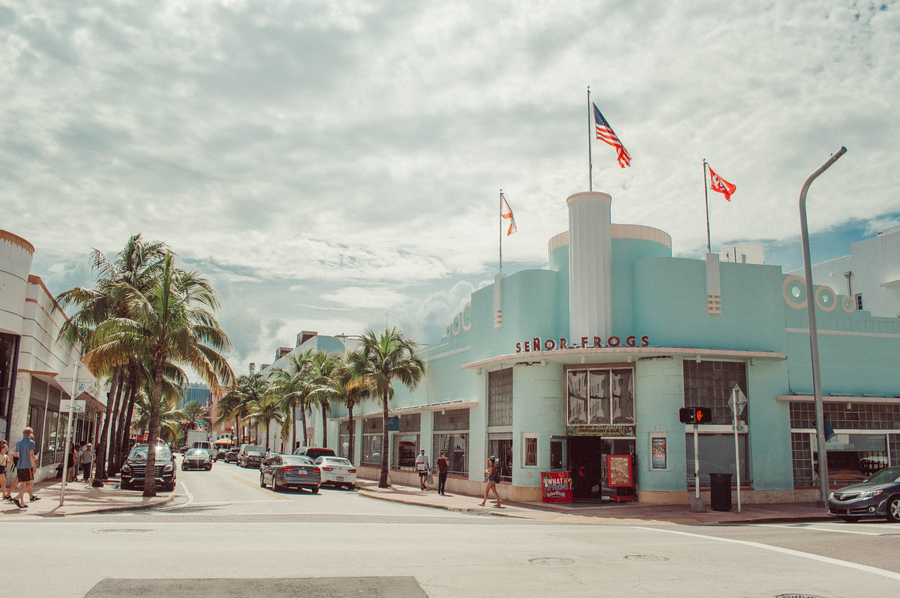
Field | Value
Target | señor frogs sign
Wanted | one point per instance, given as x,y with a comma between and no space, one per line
551,344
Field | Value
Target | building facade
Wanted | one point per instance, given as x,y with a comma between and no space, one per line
583,367
37,369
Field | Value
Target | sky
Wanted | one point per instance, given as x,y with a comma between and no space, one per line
334,166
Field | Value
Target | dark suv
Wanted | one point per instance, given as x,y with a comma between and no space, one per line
134,470
314,452
251,455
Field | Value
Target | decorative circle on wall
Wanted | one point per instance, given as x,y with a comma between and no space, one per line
464,312
448,331
848,304
825,298
457,324
793,289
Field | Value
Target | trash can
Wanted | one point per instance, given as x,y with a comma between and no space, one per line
720,491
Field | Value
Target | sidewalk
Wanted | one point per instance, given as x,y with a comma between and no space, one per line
81,498
628,512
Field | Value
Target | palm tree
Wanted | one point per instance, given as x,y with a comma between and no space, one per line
292,385
384,359
323,376
263,411
350,391
249,388
171,321
135,266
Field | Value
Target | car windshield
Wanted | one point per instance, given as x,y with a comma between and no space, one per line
296,460
885,476
333,461
139,453
196,452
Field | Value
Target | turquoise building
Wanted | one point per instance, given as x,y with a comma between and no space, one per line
583,367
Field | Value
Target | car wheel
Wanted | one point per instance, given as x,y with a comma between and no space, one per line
850,519
349,486
275,485
183,468
125,486
893,509
170,486
314,489
262,480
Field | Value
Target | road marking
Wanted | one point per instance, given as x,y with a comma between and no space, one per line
797,553
265,491
825,529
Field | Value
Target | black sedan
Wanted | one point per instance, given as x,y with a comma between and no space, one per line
877,496
196,458
134,468
290,471
232,455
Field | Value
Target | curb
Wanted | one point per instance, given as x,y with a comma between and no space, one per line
377,496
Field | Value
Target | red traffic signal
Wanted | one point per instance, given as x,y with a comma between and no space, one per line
695,415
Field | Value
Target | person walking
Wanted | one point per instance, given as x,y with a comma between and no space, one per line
422,468
443,466
72,465
5,465
86,456
25,467
493,478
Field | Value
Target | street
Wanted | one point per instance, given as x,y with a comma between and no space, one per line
223,526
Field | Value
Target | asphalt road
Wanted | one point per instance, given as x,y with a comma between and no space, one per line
225,536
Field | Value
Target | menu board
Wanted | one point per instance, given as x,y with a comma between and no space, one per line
619,471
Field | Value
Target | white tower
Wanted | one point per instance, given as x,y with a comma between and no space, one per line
590,265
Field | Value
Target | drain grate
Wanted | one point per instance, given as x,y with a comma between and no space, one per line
645,557
797,596
550,562
891,535
123,531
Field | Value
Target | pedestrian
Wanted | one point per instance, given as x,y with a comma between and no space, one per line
422,468
493,478
25,467
86,456
79,448
443,465
72,465
5,465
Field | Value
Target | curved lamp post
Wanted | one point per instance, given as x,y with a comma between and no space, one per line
813,337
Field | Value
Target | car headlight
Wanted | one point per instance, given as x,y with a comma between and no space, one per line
168,467
870,493
208,460
831,496
126,469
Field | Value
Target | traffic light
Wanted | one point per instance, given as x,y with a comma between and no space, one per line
695,415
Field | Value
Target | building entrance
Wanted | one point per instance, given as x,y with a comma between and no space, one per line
587,462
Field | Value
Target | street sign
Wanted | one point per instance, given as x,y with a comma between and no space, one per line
78,407
738,400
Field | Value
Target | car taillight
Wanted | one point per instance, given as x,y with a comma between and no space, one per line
351,471
287,469
328,469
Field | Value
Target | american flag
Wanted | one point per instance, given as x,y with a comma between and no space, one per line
719,184
608,136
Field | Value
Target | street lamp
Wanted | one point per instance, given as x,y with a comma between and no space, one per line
813,337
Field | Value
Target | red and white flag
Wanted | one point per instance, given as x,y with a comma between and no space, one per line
721,185
506,212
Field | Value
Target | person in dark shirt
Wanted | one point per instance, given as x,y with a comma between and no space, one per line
443,465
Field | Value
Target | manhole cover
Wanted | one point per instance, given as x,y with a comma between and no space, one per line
890,535
550,562
645,557
123,531
797,596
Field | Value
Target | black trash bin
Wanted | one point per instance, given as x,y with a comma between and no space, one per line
720,491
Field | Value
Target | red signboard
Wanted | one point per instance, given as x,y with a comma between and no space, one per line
557,486
618,471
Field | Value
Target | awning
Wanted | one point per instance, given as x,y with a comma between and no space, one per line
224,441
457,404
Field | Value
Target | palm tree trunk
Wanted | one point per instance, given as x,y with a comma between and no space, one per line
293,427
383,482
100,455
115,443
324,426
303,419
153,432
350,448
126,430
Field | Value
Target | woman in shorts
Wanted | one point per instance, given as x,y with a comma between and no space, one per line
493,478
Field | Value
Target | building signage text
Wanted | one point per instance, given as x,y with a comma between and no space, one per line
551,344
602,430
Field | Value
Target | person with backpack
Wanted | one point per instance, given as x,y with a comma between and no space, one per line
493,478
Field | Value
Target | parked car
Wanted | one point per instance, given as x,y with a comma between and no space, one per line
251,455
134,468
197,458
313,452
876,496
232,455
205,445
337,471
290,471
221,453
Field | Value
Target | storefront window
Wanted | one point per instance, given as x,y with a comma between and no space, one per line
531,451
600,397
457,448
8,344
853,457
502,449
557,455
371,449
500,403
578,397
709,384
716,456
406,447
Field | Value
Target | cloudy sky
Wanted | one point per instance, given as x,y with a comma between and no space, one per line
336,165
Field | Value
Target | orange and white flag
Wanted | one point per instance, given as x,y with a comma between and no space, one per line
719,184
506,212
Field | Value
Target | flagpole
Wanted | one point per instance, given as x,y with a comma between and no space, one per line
501,231
706,197
590,164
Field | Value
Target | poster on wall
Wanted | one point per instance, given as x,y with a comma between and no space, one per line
619,474
556,486
658,452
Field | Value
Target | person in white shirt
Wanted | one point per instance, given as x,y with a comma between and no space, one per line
422,468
